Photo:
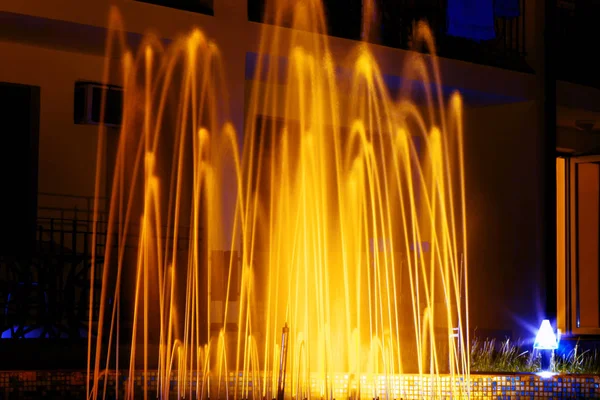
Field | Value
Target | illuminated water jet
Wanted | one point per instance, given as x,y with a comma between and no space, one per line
347,221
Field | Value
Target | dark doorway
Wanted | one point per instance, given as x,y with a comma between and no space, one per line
20,115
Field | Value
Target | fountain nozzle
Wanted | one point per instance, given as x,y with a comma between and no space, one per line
282,361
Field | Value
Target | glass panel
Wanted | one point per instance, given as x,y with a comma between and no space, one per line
561,266
588,206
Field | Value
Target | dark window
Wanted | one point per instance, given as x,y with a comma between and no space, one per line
576,28
114,105
256,9
79,106
88,103
197,6
344,17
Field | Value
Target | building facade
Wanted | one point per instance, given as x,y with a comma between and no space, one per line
50,47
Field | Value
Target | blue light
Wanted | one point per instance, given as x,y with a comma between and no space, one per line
546,338
471,19
546,374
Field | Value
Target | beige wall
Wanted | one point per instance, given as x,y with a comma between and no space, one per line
67,152
504,202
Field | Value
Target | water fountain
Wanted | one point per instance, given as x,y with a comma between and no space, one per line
338,214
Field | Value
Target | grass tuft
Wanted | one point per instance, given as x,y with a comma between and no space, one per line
510,356
578,362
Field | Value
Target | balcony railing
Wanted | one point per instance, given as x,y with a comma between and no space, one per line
506,50
396,22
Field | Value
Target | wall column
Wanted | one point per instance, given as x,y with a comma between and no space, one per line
546,99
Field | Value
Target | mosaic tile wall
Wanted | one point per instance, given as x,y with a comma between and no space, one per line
72,385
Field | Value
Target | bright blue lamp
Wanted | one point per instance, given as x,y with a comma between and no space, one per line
546,338
546,341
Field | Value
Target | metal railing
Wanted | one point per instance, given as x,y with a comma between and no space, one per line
45,293
58,212
396,21
507,50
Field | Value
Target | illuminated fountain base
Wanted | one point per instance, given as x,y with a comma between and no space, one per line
54,384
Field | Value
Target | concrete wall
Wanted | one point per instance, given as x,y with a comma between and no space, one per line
503,199
67,151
